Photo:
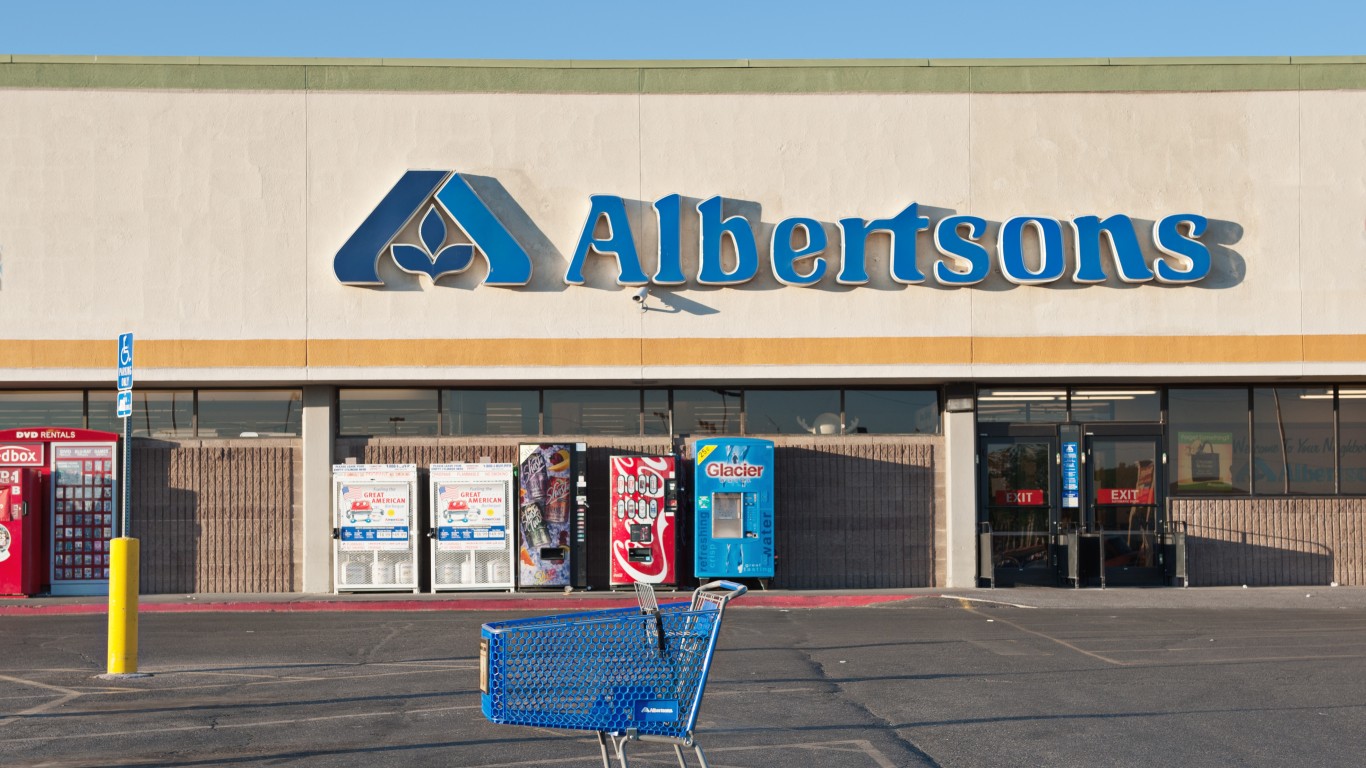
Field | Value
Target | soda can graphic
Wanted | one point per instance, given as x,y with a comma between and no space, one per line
533,526
557,501
534,477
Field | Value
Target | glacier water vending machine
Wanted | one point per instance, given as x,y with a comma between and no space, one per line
733,508
373,522
471,526
644,513
552,515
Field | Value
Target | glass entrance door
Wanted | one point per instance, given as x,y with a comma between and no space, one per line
1020,477
1125,504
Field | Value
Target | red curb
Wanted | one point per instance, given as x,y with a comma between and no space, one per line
548,605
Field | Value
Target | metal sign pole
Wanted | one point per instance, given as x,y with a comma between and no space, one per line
127,473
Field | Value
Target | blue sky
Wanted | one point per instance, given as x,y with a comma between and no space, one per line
692,29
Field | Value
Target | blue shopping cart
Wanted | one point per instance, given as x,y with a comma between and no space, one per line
626,673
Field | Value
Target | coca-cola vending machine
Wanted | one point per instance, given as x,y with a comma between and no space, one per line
21,537
552,515
644,514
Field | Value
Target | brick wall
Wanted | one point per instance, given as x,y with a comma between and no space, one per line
216,515
1269,542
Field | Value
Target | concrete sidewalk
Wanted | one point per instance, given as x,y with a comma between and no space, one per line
1199,598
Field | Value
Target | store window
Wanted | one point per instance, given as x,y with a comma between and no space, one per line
42,409
1022,405
592,412
385,412
1099,405
1209,441
707,411
156,413
250,413
793,412
892,411
490,412
1293,448
1352,442
655,414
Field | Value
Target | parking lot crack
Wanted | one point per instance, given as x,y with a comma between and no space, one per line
849,700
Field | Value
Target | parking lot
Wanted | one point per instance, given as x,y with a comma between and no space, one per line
929,681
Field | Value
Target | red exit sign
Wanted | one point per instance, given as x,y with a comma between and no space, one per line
1124,496
1030,498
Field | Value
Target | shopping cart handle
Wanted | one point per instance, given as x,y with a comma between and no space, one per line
736,589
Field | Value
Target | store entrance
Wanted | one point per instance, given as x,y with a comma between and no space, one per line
1071,504
1124,502
1018,486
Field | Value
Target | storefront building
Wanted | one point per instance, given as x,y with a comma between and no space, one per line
1043,300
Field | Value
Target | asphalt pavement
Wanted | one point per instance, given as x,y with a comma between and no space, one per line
1198,677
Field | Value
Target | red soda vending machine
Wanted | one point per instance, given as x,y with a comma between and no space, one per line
644,514
552,515
76,503
21,537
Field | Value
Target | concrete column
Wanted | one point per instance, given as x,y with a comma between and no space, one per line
960,492
318,441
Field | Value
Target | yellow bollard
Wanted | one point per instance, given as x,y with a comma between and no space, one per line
123,606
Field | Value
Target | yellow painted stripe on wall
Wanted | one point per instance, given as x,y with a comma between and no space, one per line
1136,349
558,353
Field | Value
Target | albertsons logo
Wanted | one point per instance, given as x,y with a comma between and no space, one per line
436,199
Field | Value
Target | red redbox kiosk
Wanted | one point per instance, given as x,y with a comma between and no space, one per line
69,511
21,538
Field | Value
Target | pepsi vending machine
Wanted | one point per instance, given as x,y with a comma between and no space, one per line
471,525
552,515
733,508
643,515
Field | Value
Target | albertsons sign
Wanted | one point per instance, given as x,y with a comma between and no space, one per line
799,252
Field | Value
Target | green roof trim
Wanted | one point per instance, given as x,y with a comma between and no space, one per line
792,76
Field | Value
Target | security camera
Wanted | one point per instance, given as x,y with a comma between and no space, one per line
640,295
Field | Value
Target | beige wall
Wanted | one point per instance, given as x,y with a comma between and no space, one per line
221,211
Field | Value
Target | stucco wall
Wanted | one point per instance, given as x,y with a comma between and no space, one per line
220,210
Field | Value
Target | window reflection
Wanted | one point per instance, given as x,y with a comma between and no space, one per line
892,411
1209,438
248,413
1093,405
156,413
592,412
1293,450
490,412
1022,405
1352,445
788,412
707,411
42,409
392,412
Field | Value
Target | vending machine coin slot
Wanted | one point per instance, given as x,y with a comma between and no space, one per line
638,555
